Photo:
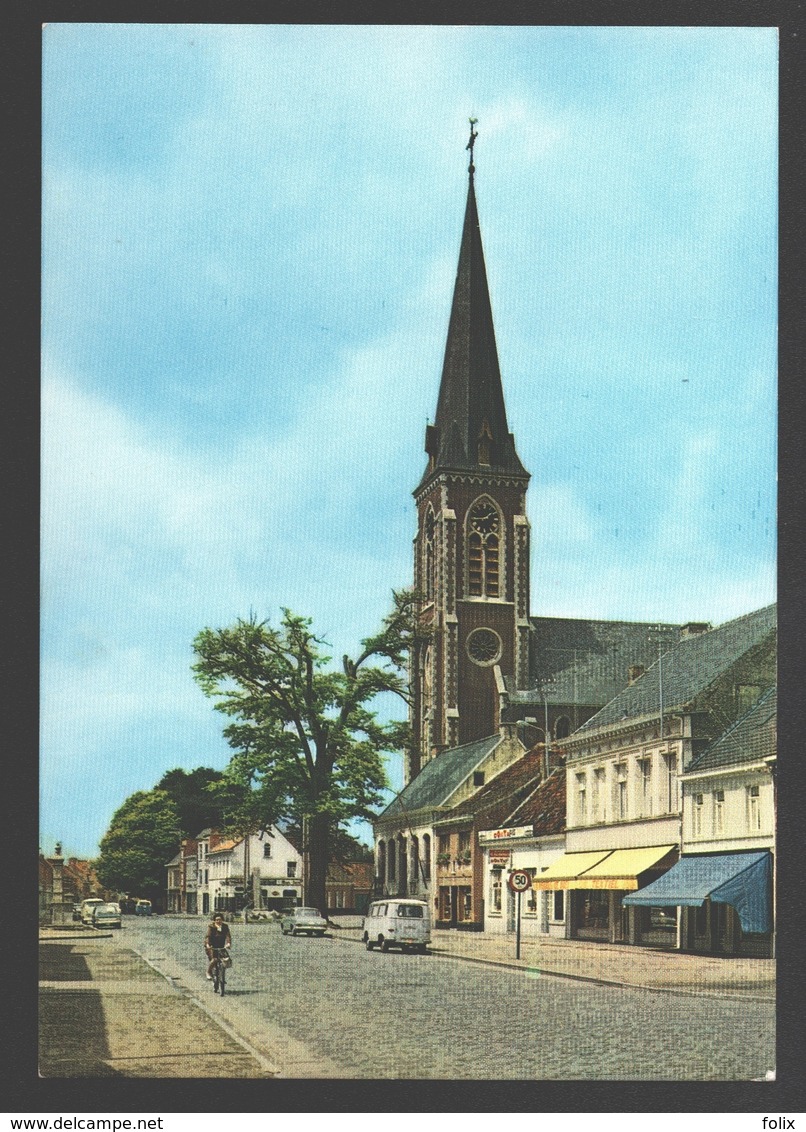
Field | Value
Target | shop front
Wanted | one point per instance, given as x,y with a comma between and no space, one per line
725,902
595,883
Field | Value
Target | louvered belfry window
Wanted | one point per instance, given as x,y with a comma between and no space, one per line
483,550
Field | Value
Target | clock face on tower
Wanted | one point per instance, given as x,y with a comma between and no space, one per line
484,646
484,519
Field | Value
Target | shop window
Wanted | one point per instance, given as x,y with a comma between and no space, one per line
466,903
558,906
530,903
495,893
391,870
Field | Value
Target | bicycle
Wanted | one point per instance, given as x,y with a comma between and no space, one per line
220,964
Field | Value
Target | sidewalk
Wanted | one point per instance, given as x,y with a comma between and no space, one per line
104,1012
615,964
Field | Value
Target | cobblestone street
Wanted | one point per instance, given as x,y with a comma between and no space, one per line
327,1008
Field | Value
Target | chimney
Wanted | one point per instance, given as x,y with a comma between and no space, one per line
693,629
634,672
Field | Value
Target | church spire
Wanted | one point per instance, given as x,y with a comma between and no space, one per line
471,430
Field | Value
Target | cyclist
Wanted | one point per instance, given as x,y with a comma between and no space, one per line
217,937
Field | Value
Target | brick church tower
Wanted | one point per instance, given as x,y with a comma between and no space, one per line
471,552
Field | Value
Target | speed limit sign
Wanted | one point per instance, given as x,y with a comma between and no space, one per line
519,881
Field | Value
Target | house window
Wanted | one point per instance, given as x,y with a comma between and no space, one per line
599,793
558,906
483,532
699,809
291,868
391,871
753,810
621,791
719,811
670,785
645,786
427,856
495,893
582,811
478,777
464,843
266,849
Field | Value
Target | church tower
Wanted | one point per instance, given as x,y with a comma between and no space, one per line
471,552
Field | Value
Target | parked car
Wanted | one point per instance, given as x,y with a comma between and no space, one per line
87,908
106,916
398,923
303,921
142,908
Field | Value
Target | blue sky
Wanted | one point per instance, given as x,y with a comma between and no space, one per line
250,240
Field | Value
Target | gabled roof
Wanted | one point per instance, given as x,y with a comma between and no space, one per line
750,740
225,845
687,670
471,396
544,809
177,860
586,662
358,873
441,777
493,802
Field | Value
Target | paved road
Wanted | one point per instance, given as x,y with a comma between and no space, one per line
328,1008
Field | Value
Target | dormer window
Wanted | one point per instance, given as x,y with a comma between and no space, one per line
485,444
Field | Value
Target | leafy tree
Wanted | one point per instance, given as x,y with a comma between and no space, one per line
305,740
142,836
204,798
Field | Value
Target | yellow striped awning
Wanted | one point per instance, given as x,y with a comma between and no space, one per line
567,868
620,869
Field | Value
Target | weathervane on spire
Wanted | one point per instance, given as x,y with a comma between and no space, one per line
471,143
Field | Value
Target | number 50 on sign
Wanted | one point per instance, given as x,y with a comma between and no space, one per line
519,881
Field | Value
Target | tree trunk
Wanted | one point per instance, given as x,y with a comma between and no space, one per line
318,856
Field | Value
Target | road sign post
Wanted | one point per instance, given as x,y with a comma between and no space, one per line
518,882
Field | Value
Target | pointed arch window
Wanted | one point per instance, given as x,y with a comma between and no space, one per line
483,550
429,564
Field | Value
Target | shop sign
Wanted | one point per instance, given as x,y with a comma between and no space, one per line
499,856
500,834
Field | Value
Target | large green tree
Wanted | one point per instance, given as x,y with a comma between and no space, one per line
305,738
142,836
146,831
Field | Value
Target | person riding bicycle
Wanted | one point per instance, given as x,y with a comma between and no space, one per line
217,937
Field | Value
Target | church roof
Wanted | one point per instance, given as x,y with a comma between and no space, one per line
586,662
750,740
441,777
471,406
687,670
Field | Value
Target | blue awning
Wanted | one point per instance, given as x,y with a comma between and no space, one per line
743,880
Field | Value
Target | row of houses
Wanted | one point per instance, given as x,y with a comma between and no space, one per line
64,883
264,871
652,823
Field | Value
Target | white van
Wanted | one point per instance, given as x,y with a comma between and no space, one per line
397,923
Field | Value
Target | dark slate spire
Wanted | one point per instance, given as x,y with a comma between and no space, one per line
471,430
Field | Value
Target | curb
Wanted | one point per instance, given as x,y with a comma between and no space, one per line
542,971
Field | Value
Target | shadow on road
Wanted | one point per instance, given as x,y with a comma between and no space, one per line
72,1035
58,963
